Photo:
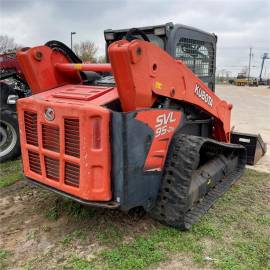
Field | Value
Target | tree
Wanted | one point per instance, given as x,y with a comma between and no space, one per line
102,59
7,44
86,50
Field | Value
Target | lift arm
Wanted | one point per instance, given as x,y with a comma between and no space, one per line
143,71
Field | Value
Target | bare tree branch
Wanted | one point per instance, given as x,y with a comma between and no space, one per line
7,44
102,59
86,50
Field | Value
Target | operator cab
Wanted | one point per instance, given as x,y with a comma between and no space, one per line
196,48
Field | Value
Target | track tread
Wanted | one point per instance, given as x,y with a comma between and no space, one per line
183,158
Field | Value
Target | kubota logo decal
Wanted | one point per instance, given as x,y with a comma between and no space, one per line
49,114
203,95
162,124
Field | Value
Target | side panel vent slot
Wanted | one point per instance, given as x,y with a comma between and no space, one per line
34,162
52,168
50,138
30,120
72,174
72,137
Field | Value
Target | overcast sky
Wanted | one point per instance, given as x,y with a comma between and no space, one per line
239,24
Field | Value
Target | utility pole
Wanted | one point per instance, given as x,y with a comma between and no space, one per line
71,34
249,62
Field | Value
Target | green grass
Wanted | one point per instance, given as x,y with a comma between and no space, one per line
137,255
75,235
78,263
58,207
52,213
109,234
4,255
10,172
152,248
45,228
234,234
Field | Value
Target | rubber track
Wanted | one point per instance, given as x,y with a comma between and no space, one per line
183,159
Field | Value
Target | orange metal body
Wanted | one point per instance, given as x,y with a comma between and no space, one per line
164,123
38,66
72,151
143,71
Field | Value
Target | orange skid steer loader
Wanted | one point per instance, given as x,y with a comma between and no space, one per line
153,135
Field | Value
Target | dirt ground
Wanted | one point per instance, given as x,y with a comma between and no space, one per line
250,113
40,230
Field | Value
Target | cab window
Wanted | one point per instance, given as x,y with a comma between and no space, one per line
197,55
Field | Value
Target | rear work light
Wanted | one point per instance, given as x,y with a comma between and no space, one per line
109,36
159,31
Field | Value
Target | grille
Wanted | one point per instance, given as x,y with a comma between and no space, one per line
52,168
72,137
34,162
197,55
30,119
50,138
72,174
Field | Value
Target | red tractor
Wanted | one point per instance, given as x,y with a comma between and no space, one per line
13,86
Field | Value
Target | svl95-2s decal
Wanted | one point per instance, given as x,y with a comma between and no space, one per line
164,124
